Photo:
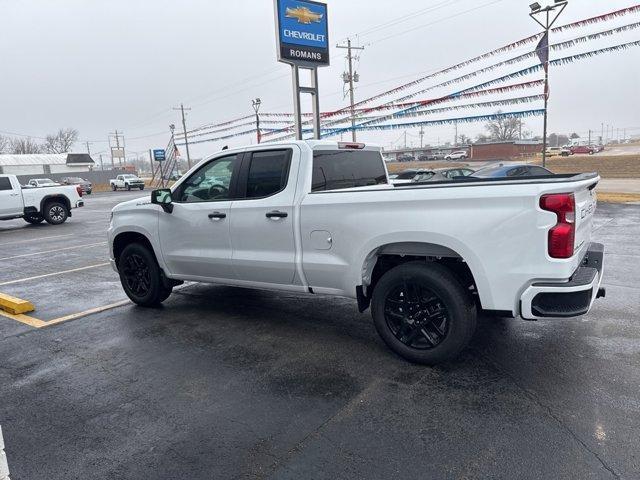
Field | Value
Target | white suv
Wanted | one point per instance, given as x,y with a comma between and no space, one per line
457,155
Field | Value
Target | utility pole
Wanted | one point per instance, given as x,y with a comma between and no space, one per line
88,149
455,139
589,136
543,53
351,77
184,128
120,157
405,139
256,107
421,137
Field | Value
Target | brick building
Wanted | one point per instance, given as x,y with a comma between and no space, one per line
504,150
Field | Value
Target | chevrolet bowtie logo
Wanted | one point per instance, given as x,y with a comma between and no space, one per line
303,15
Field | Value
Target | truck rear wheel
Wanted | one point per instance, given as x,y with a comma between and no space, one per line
128,187
140,276
55,213
113,187
423,313
34,219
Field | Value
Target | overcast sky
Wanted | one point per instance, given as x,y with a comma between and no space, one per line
100,65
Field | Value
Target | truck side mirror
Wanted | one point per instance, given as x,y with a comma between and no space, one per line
162,197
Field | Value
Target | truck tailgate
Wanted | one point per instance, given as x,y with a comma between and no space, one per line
586,200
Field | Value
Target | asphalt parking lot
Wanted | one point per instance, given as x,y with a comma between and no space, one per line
227,383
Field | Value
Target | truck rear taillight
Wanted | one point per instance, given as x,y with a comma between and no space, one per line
562,235
79,190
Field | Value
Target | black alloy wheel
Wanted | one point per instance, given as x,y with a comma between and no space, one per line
141,277
416,315
422,312
136,273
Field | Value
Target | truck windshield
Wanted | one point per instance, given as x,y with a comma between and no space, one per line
336,169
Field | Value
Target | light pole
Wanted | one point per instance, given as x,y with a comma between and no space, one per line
543,53
256,107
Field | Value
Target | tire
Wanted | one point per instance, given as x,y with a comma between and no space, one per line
434,327
128,187
141,187
113,188
140,276
34,219
55,213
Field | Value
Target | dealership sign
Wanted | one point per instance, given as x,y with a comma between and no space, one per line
302,32
159,155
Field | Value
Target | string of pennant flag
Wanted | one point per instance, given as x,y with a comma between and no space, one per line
412,108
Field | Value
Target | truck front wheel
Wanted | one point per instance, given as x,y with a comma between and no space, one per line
128,187
423,313
140,276
55,213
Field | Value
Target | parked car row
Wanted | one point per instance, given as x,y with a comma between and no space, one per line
491,171
434,156
574,150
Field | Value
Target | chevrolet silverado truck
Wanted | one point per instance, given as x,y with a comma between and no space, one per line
126,181
37,204
320,217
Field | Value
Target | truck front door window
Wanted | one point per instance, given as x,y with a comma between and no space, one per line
210,183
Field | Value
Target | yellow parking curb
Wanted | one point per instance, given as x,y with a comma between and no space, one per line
15,306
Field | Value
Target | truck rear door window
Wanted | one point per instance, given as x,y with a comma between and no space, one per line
267,173
336,169
5,183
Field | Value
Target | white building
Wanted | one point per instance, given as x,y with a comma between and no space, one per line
39,164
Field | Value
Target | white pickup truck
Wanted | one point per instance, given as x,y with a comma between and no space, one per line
321,217
37,204
126,181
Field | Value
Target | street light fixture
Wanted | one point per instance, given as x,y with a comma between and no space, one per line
543,53
256,107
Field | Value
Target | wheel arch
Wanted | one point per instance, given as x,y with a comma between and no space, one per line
122,239
444,250
53,198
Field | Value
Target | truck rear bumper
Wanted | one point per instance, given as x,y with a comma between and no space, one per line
568,299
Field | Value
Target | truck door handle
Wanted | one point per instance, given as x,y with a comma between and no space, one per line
276,214
217,215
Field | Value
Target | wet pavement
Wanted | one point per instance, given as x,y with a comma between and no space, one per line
228,383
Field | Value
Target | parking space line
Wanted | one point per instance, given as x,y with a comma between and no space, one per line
74,316
20,280
55,250
36,239
26,319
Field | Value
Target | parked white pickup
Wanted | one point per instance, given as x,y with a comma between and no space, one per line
321,217
127,181
36,204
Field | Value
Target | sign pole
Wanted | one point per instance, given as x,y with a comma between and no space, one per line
297,110
316,104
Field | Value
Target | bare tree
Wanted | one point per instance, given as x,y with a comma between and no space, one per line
503,128
5,144
26,145
62,141
464,140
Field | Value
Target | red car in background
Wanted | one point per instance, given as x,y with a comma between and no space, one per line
578,149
